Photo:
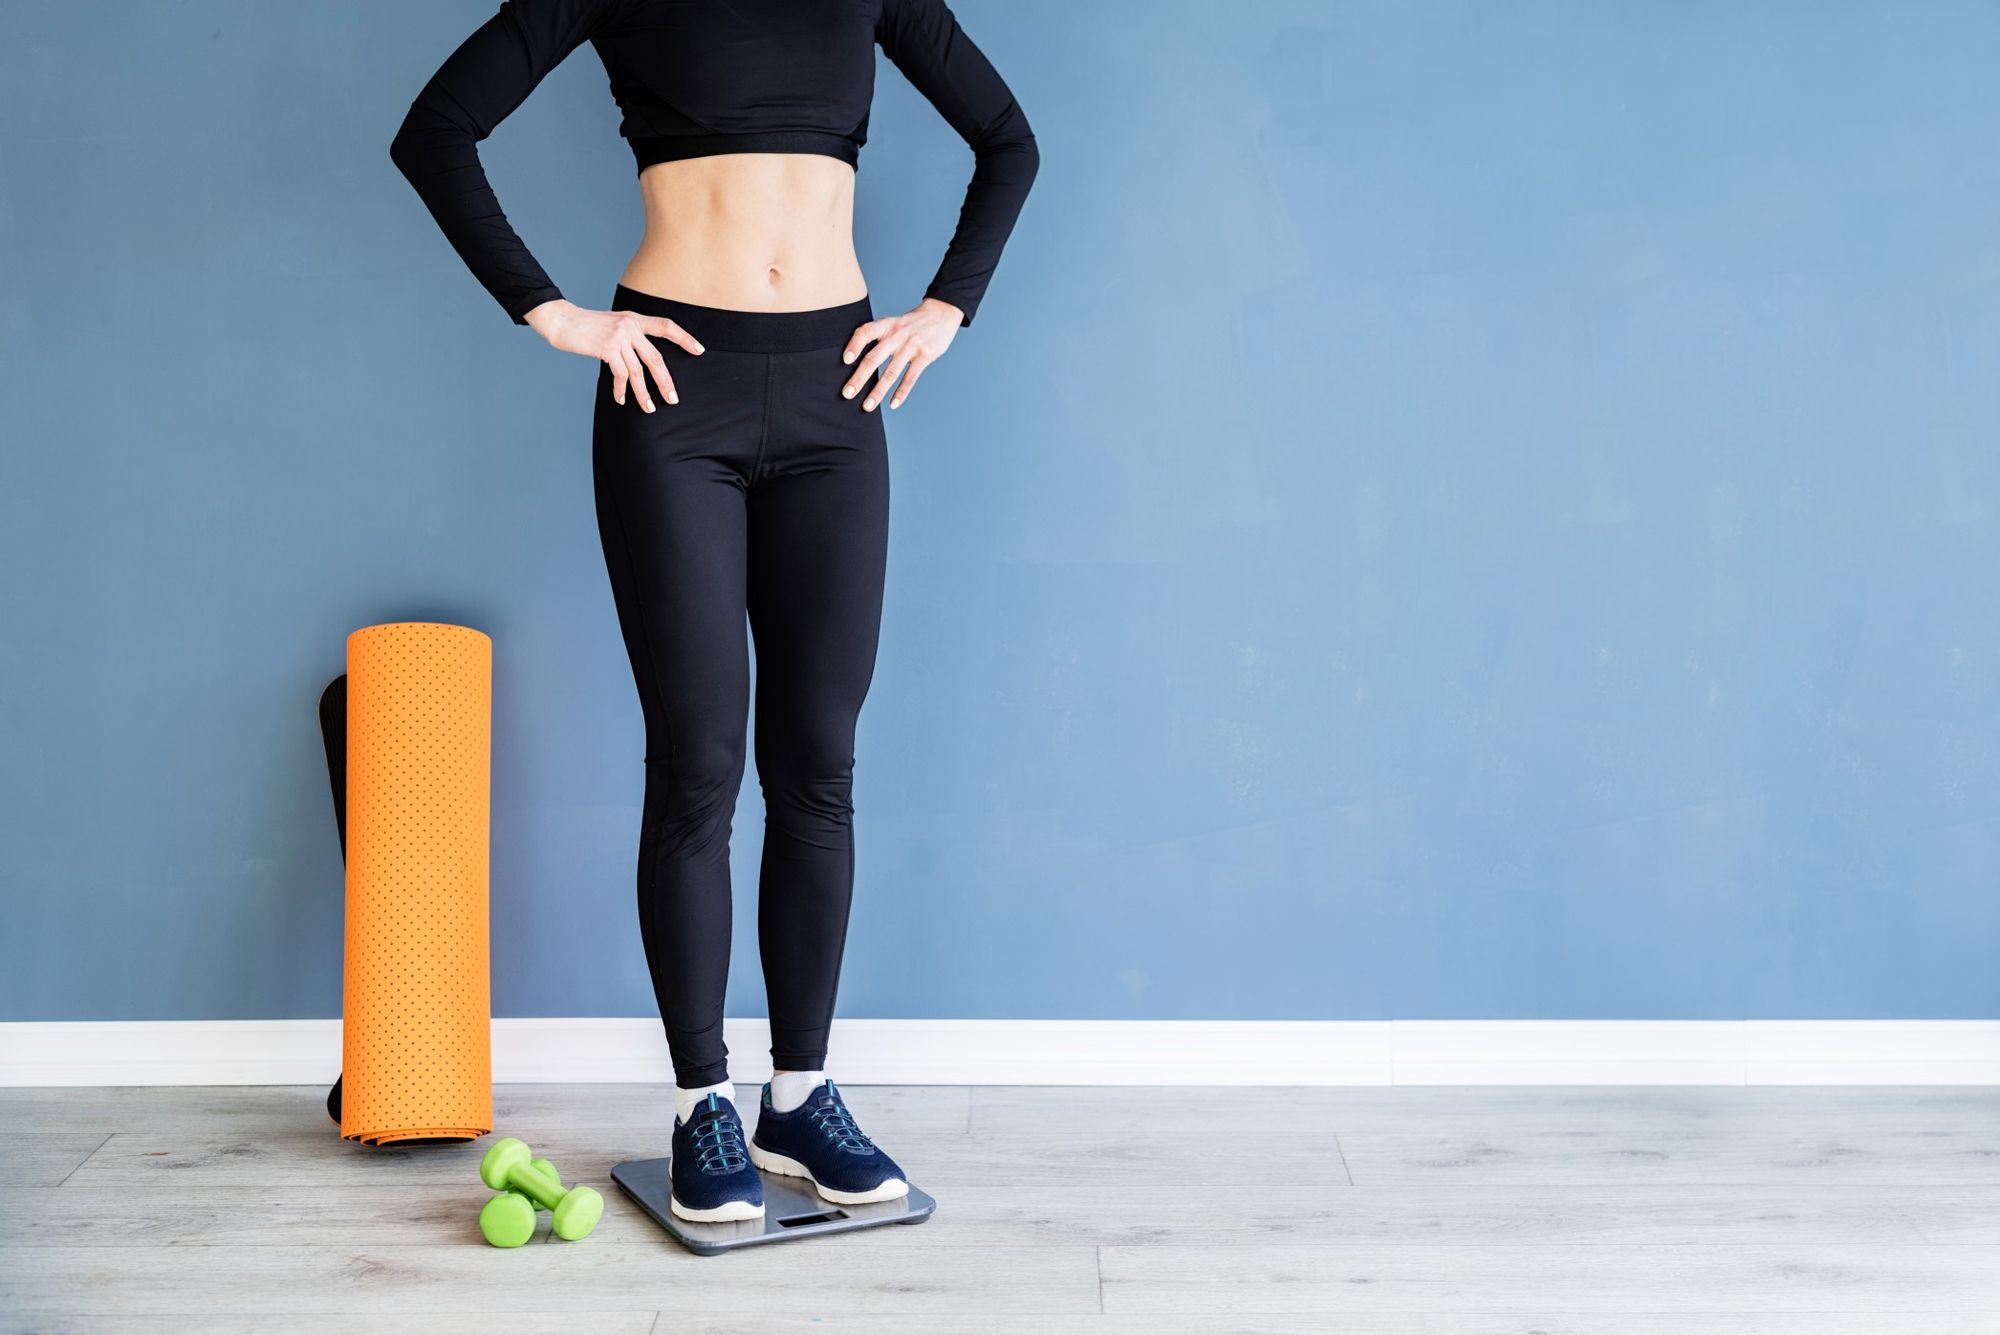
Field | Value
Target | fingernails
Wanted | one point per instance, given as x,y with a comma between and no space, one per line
699,349
847,358
673,398
847,393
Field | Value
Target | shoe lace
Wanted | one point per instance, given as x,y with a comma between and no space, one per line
718,1140
837,1124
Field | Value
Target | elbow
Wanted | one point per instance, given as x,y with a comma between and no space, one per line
425,139
403,146
1019,145
1012,155
1023,161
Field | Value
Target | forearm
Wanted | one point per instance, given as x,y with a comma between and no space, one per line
1001,178
440,159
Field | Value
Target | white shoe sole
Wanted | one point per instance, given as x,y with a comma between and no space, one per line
785,1166
721,1214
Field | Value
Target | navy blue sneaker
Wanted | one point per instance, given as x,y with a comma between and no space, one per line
818,1140
713,1179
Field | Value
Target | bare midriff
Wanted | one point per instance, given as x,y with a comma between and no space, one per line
749,231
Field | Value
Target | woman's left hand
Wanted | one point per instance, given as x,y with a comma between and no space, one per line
905,345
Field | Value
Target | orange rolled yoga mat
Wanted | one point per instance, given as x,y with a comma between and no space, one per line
417,1038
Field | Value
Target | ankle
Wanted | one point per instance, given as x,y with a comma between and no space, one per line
790,1088
686,1099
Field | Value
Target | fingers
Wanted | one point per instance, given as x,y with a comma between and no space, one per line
636,372
877,355
661,327
863,335
917,366
897,366
633,354
657,364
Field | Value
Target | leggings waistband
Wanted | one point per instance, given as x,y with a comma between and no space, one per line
752,331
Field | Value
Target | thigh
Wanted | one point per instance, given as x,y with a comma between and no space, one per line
671,515
818,549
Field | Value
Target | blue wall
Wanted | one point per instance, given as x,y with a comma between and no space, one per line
1450,510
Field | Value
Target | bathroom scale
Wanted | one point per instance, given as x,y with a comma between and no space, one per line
792,1210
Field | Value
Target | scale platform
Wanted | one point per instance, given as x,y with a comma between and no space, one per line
792,1209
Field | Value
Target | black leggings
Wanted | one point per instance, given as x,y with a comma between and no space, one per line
762,492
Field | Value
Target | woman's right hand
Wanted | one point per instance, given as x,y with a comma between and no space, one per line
618,339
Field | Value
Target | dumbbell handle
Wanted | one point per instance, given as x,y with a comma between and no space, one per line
542,1165
544,1190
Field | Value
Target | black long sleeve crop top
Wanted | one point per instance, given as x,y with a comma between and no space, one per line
701,77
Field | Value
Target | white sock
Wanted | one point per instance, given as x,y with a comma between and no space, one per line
686,1099
789,1088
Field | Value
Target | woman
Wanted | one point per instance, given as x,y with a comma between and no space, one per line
740,468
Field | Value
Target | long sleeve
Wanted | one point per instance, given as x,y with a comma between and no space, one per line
923,39
491,73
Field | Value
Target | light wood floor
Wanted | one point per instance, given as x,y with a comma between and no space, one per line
1061,1212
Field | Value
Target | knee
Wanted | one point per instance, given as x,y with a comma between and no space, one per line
694,782
807,774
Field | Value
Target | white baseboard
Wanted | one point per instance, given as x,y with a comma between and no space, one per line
1076,1052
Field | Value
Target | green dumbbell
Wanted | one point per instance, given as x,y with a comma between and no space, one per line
510,1225
508,1220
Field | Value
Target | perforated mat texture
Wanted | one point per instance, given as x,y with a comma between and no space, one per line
417,1037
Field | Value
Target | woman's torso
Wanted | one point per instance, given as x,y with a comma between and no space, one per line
737,215
749,231
746,119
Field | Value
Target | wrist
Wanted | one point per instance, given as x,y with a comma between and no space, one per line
944,310
544,318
